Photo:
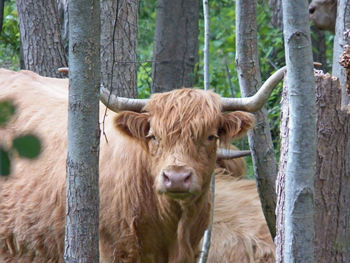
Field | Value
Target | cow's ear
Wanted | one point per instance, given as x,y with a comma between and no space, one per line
135,125
235,124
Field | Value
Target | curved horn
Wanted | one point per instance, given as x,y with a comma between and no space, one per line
225,154
256,102
116,103
113,102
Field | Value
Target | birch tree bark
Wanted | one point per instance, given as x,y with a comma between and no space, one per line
82,194
40,31
340,40
261,146
175,44
118,46
299,184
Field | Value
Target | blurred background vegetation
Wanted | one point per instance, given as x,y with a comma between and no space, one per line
9,37
24,145
223,76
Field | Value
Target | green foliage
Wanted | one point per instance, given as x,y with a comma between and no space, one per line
144,80
9,38
26,145
146,27
222,51
222,54
4,162
7,110
329,45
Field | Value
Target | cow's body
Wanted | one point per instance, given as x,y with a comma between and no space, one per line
142,217
240,233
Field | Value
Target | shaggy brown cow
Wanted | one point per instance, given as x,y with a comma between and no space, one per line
240,233
323,14
154,174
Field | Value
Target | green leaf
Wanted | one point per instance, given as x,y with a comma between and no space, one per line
7,110
27,146
4,163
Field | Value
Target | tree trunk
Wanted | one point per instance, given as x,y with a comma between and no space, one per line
2,5
175,44
280,184
332,183
319,48
64,22
41,37
277,14
340,40
118,46
82,195
299,184
260,141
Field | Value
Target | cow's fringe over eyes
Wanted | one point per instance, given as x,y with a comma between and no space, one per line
191,113
187,113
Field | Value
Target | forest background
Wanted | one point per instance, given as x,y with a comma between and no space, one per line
223,75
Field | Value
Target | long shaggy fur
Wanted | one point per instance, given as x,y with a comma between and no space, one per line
240,233
137,224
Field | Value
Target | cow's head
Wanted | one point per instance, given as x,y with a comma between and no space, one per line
180,130
323,14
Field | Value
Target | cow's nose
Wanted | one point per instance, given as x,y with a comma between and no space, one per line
312,9
177,179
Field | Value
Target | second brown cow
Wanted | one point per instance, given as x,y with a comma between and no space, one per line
323,14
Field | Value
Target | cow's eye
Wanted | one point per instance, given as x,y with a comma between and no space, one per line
152,137
212,137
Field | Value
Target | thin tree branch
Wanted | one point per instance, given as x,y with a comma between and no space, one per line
206,44
207,235
229,76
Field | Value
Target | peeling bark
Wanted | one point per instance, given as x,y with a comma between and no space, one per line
340,40
344,61
332,180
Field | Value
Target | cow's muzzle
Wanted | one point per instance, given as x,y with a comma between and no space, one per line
177,179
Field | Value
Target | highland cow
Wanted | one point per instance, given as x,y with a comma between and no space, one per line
155,169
